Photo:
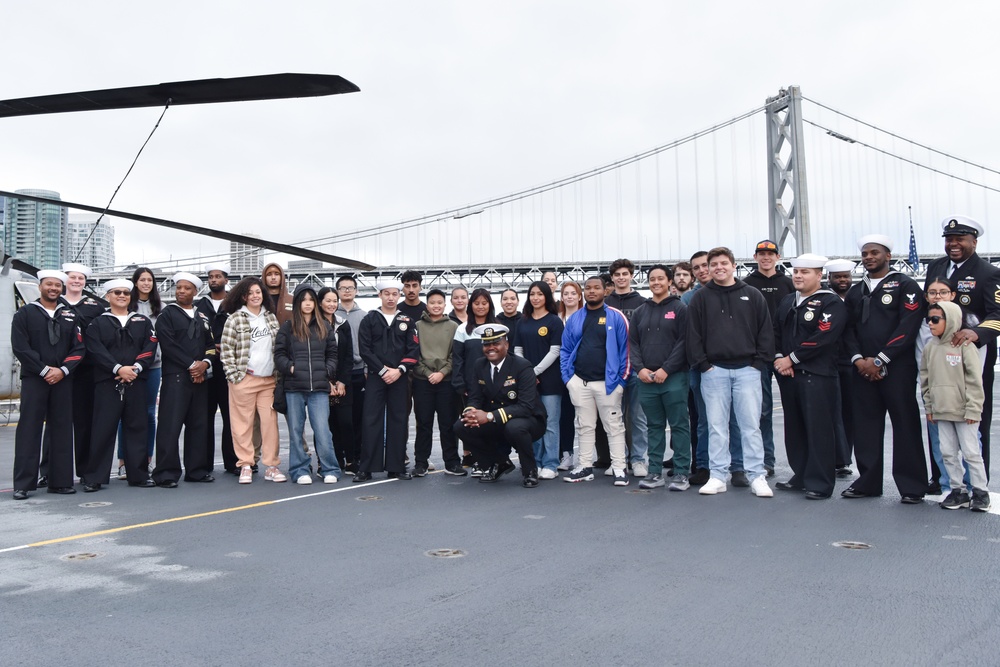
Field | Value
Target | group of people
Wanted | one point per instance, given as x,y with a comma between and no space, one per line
599,378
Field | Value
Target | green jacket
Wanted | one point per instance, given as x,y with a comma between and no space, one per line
951,378
435,346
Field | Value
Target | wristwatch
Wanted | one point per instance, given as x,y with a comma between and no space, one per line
877,362
489,416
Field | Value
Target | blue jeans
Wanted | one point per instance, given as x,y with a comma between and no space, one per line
700,457
635,422
547,447
153,376
729,392
318,404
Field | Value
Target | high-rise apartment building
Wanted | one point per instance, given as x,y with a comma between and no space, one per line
98,244
35,232
245,259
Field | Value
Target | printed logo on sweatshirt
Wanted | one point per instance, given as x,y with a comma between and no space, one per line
670,316
744,298
953,359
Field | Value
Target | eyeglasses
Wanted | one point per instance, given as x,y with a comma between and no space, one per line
943,292
120,292
935,319
346,288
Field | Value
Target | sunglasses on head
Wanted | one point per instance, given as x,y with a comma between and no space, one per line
935,319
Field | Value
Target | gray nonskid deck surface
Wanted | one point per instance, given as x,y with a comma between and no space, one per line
583,573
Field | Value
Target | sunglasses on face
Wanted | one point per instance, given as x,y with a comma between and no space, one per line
935,319
119,292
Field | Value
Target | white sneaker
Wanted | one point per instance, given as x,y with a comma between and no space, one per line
760,488
567,461
608,472
545,473
246,475
304,479
639,469
712,487
272,474
329,479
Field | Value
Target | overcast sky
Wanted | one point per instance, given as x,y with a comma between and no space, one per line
464,101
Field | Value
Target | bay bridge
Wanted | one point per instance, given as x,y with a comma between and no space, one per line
732,184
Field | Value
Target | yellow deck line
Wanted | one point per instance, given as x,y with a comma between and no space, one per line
120,529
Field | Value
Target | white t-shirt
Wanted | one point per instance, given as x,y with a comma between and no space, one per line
261,360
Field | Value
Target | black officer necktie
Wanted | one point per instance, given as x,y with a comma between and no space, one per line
496,375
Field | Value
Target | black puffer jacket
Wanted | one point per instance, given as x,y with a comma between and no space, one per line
314,359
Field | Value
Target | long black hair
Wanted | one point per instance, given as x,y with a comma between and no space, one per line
300,328
155,305
237,296
550,302
491,316
319,303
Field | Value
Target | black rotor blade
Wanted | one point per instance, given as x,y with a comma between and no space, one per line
202,91
194,229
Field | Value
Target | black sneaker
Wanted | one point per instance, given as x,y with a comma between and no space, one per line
740,479
420,470
933,488
477,470
699,477
468,461
956,500
455,469
579,475
980,500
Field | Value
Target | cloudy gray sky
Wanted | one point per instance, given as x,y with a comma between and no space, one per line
465,101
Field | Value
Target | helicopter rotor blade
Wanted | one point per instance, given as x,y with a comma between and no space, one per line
195,229
201,91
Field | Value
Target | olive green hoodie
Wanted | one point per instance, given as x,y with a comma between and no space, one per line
951,378
436,339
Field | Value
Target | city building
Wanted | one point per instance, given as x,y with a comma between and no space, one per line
35,232
244,259
98,244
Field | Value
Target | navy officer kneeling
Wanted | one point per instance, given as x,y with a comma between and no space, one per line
504,409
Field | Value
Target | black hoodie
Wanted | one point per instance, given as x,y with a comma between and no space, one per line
729,326
657,335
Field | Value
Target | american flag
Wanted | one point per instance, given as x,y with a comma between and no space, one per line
914,258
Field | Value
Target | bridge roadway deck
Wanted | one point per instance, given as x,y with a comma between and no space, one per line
493,278
563,574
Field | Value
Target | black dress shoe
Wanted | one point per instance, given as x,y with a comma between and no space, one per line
816,495
362,476
530,480
20,494
90,488
786,486
168,484
491,474
849,492
844,471
400,475
206,478
62,490
254,469
911,499
232,471
505,467
43,482
145,484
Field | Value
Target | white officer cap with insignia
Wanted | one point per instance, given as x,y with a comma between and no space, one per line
52,273
839,265
73,267
190,277
880,239
388,283
961,224
118,283
218,266
808,260
491,332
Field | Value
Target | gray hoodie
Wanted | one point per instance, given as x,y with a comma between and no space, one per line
354,317
951,378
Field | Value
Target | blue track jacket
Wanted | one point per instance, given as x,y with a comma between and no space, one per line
618,367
